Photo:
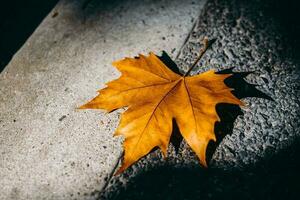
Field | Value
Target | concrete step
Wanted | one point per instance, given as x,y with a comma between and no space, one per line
48,149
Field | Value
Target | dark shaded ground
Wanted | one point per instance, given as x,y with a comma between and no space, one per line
18,20
287,14
277,179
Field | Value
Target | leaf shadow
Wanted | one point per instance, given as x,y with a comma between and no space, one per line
228,113
165,58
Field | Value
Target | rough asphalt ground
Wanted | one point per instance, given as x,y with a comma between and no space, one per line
258,157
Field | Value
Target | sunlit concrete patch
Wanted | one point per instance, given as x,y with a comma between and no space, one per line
50,150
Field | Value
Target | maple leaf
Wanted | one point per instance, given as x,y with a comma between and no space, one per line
155,96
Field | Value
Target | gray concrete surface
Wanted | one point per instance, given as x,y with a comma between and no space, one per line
48,149
249,39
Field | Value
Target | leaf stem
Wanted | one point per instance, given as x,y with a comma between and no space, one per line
207,43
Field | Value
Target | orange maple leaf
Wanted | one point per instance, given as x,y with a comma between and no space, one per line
155,96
